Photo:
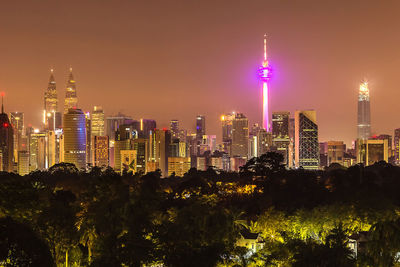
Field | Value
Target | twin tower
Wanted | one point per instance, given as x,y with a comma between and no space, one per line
51,115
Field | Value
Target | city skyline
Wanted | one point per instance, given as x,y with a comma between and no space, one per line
127,63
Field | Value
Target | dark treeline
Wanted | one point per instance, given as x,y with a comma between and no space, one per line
66,217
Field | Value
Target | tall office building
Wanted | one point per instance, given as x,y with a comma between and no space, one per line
226,123
264,72
17,122
88,139
334,151
387,137
200,131
178,165
74,126
364,116
280,133
147,127
6,141
371,151
113,123
23,163
397,146
51,116
71,99
240,135
141,146
264,141
128,161
37,150
306,140
97,127
100,151
159,150
174,128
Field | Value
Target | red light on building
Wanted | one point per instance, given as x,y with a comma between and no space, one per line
5,125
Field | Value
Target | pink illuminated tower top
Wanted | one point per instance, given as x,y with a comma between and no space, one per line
264,72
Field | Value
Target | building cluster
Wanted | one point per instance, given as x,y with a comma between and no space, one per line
88,139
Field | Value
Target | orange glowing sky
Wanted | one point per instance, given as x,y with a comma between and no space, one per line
176,59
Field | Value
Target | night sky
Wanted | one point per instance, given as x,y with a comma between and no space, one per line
177,59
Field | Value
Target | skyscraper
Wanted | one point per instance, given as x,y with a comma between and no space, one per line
264,72
6,141
51,116
174,128
240,135
200,131
306,140
74,126
71,99
159,150
397,145
280,133
364,116
97,121
17,122
226,123
100,151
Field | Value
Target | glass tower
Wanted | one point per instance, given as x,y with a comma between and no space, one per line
364,116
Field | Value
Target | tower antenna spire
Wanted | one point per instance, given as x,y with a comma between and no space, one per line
2,102
265,47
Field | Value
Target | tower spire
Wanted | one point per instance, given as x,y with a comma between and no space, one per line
265,47
2,102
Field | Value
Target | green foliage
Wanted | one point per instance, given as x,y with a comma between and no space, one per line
100,218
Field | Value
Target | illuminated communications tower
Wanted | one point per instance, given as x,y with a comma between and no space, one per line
264,71
364,116
71,100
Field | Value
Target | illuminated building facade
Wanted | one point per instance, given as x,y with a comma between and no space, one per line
240,135
113,123
371,151
6,141
88,122
200,131
17,122
74,127
364,116
389,141
162,139
97,120
23,163
334,151
37,151
119,145
396,147
264,72
141,146
306,140
264,141
226,123
280,133
128,161
178,165
174,128
71,99
100,151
